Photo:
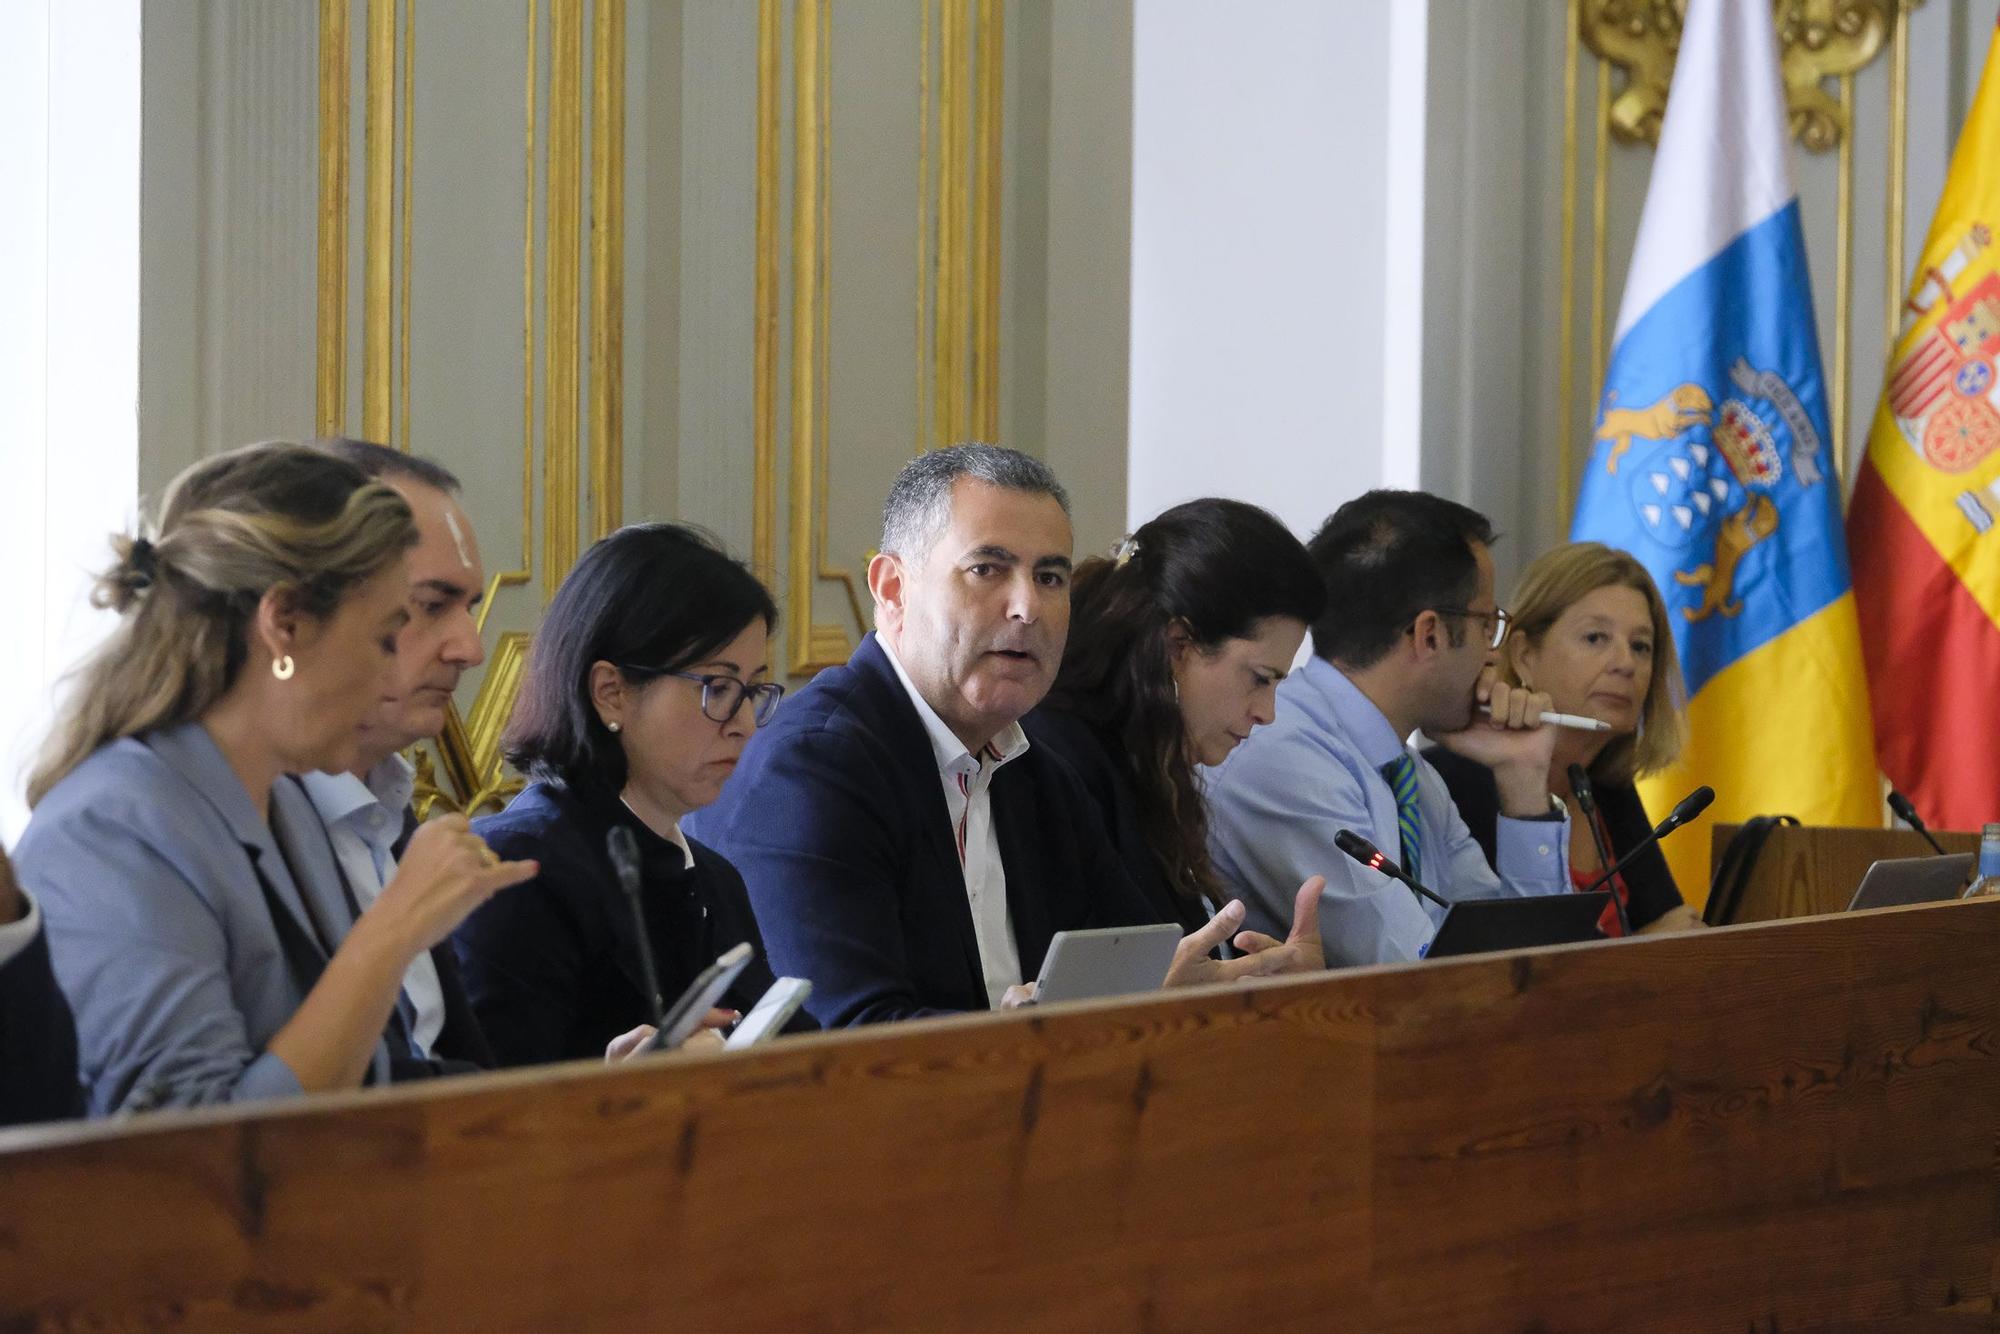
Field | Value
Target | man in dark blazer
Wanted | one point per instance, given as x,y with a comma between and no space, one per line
904,847
37,1035
366,814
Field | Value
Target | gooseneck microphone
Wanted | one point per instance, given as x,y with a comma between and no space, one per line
1372,857
1586,801
1693,804
624,850
1907,813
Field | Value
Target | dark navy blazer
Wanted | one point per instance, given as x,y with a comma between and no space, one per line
837,820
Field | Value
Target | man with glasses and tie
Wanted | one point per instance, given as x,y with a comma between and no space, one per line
1407,644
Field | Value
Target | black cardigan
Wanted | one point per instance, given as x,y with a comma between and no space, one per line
1092,755
552,965
1653,892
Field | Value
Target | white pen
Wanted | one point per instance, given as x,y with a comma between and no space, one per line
1576,720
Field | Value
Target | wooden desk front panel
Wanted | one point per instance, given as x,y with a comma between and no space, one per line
1769,1127
1803,872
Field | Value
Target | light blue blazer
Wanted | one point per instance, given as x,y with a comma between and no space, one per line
185,930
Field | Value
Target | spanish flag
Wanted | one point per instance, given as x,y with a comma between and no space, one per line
1712,463
1921,526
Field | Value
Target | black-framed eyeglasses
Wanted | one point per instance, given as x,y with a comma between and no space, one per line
1501,618
722,696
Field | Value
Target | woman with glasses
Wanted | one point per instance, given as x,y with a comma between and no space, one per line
648,675
1590,630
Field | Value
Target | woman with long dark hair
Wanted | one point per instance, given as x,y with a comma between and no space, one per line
649,673
1176,647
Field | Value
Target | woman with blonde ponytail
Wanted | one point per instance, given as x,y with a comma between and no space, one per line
204,940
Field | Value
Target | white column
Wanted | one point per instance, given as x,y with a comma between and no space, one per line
69,343
1276,319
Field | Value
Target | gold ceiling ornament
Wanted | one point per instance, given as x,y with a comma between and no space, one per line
1819,40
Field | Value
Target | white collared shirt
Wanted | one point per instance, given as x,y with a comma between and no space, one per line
363,819
969,800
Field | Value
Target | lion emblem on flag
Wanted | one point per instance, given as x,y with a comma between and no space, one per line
1710,490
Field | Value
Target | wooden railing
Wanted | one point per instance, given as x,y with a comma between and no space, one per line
1771,1127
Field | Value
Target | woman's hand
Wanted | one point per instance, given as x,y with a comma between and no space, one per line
639,1041
1263,956
445,873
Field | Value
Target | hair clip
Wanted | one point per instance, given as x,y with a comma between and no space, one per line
1127,548
143,561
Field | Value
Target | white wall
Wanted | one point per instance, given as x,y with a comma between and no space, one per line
69,341
1262,193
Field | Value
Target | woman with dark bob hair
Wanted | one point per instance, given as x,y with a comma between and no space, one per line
1176,647
648,675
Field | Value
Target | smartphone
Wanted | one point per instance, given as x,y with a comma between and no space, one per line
700,997
771,1012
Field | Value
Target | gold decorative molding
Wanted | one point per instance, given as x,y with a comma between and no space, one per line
335,78
814,644
1818,40
958,297
607,267
468,752
563,291
948,322
409,122
764,393
989,90
526,572
378,217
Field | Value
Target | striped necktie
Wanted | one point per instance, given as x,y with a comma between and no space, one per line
1401,774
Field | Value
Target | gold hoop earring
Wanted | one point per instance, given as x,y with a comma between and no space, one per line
282,668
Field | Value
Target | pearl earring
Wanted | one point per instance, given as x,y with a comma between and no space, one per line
612,726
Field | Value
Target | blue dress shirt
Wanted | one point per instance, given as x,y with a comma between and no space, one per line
1277,802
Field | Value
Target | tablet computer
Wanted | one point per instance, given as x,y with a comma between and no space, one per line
1480,926
700,997
770,1014
1896,881
1109,961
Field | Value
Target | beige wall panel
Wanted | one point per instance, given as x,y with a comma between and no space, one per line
653,150
1086,351
228,199
468,185
717,207
872,280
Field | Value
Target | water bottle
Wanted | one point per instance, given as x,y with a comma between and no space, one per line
1986,876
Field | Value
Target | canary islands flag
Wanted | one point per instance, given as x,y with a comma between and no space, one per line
1711,460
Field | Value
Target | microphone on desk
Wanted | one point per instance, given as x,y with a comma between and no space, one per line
624,850
1373,858
1907,813
1586,801
1693,804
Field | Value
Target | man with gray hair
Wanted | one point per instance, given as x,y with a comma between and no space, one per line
903,846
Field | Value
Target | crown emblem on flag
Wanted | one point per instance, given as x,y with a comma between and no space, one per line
1747,443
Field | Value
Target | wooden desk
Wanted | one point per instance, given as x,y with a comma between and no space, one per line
1771,1127
1816,868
